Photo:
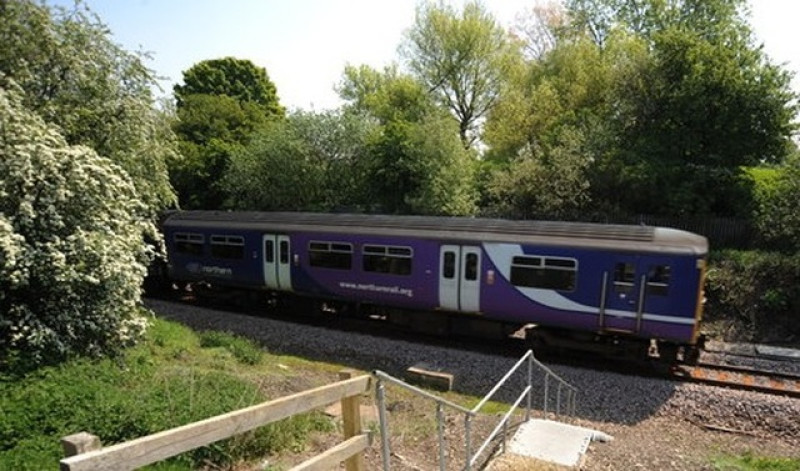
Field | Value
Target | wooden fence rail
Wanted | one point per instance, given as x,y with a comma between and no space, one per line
84,451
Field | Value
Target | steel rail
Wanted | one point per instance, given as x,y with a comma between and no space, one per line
746,379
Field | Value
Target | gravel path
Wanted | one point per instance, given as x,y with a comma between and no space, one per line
633,408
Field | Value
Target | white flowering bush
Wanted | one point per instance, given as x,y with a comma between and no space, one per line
72,251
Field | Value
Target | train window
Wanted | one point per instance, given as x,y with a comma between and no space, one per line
544,272
658,280
471,267
449,268
387,259
269,251
335,255
283,246
227,246
624,277
191,244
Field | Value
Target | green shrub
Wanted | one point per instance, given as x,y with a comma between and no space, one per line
72,251
759,291
777,195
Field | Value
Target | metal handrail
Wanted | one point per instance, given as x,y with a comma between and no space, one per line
386,377
502,381
469,414
500,425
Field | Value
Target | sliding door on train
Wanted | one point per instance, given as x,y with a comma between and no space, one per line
277,262
624,296
459,278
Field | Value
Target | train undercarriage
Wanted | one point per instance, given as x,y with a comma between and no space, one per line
445,324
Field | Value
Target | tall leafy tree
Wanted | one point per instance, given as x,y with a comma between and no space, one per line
415,166
683,98
229,76
387,95
461,58
569,86
219,106
211,129
309,161
711,103
548,183
712,19
99,95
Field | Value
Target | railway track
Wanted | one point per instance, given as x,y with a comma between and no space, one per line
749,378
741,377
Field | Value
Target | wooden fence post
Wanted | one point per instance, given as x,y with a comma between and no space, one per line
80,443
351,418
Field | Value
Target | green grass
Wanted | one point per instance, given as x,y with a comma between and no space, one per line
241,349
173,378
750,462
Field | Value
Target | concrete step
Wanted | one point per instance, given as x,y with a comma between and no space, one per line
545,444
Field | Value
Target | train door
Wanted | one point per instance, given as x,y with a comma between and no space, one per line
657,299
277,262
459,278
623,296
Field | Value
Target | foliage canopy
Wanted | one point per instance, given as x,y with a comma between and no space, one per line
236,78
99,95
416,163
461,58
220,105
671,99
210,128
309,161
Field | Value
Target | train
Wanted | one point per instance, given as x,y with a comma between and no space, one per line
612,289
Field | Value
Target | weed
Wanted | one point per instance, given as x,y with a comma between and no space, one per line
750,462
242,349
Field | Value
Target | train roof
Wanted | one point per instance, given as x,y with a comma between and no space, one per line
590,235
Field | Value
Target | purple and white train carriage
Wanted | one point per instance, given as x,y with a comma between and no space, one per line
575,283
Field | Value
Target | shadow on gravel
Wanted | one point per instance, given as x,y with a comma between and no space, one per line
603,396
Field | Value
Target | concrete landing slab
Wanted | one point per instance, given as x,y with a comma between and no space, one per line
554,442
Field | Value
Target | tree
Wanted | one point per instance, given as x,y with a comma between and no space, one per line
99,95
705,110
461,59
714,20
442,170
415,167
310,161
72,257
387,96
674,94
569,86
220,105
236,78
211,129
539,28
547,183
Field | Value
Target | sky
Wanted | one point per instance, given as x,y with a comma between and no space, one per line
305,44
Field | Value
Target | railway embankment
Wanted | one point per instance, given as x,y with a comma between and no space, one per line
657,423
